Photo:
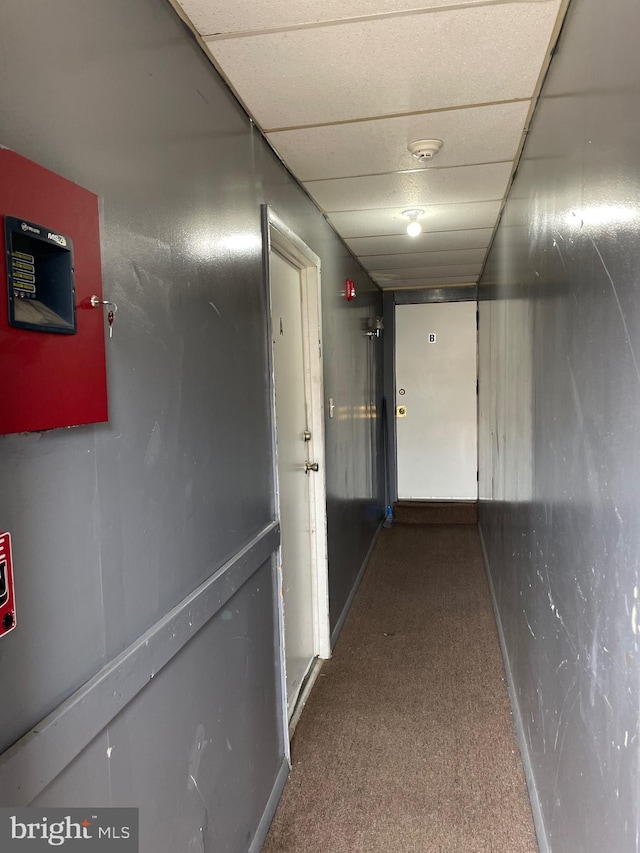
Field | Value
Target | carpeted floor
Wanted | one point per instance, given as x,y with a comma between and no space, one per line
406,744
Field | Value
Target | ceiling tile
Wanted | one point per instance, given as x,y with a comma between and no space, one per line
388,66
444,217
469,270
220,16
413,189
435,241
474,135
422,259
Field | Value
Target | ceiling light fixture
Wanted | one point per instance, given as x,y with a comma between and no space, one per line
425,149
413,228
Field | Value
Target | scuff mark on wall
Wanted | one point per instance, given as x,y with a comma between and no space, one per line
197,751
529,625
154,446
622,317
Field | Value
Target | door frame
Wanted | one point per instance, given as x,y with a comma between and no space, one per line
277,235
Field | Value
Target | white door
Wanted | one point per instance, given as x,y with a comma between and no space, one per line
293,481
436,401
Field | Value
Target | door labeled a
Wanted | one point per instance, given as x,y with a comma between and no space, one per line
436,419
292,442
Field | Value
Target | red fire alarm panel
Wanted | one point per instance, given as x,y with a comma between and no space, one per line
7,599
52,369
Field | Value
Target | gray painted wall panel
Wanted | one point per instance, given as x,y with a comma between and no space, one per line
46,478
185,730
213,715
85,781
115,524
559,447
58,739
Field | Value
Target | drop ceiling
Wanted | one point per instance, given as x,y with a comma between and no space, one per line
340,88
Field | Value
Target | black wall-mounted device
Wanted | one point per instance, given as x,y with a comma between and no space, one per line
40,278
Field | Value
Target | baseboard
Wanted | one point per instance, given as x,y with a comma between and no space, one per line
270,810
536,808
347,607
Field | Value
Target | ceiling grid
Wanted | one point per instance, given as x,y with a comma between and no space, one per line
341,89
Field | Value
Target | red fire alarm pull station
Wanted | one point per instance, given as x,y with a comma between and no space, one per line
349,290
52,343
7,600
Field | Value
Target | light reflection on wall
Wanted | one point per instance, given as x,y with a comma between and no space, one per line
206,247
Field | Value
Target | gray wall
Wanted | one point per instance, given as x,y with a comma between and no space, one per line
559,438
115,524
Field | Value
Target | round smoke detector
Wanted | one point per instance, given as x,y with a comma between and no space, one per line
425,149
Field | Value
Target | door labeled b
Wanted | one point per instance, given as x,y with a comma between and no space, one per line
436,417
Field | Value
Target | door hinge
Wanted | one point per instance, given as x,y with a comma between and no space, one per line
477,386
477,319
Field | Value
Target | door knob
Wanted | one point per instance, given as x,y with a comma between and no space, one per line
310,466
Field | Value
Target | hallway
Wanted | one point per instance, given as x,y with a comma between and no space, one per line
406,743
150,151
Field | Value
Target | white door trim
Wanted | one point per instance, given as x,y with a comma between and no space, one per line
280,237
